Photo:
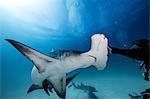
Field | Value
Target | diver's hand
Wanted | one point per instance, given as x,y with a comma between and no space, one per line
109,49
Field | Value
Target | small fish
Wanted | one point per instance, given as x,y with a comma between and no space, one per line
87,88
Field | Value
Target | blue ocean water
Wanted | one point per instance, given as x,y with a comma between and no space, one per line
68,24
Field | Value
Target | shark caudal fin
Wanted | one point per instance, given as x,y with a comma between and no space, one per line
34,56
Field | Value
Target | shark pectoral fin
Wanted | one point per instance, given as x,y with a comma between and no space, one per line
45,86
33,87
69,79
50,89
34,56
59,85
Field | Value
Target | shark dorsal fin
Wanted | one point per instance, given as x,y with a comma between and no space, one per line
37,58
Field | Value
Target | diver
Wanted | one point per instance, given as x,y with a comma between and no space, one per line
139,51
143,95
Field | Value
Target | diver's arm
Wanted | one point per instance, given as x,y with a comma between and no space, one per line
125,52
119,51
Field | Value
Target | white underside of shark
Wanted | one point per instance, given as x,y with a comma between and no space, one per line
54,70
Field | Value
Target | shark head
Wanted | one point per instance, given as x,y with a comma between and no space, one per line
99,50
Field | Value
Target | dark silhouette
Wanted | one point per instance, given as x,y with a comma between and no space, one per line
139,51
143,95
135,96
146,93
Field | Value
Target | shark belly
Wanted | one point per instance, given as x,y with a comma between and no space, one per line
64,66
38,78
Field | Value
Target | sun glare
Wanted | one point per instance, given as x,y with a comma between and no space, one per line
10,4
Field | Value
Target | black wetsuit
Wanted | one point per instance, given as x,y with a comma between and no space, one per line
141,53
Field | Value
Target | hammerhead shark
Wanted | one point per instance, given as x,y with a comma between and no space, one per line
50,73
140,50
